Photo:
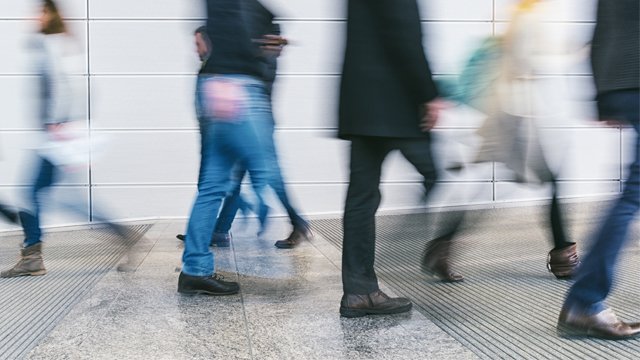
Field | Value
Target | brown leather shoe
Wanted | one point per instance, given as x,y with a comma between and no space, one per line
296,237
603,325
435,261
563,262
376,303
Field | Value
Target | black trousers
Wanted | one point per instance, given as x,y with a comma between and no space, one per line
363,199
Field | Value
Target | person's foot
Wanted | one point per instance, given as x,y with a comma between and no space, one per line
221,239
207,285
435,261
217,240
376,303
603,325
296,237
563,262
30,263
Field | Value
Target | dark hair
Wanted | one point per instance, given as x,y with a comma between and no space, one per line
202,30
55,24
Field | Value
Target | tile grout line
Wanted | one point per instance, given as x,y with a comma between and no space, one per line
244,309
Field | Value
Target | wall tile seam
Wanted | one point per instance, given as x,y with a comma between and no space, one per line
417,182
194,129
292,20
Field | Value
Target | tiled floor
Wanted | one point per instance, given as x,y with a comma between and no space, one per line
289,299
287,309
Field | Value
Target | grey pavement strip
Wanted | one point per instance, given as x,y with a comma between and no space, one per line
30,307
508,305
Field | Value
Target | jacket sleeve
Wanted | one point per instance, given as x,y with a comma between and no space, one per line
401,33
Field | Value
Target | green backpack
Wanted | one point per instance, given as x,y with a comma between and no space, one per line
478,75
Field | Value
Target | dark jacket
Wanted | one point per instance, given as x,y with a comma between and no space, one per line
259,21
615,52
233,50
385,76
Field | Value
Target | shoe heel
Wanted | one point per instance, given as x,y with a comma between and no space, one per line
351,313
567,332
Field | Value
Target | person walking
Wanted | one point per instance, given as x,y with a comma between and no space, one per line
232,94
55,59
615,57
516,103
388,101
266,34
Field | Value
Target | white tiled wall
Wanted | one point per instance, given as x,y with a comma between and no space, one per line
140,63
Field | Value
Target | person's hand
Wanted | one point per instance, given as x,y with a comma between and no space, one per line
272,45
613,123
430,113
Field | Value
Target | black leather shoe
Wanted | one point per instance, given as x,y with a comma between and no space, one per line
207,285
296,237
221,239
217,240
603,325
376,303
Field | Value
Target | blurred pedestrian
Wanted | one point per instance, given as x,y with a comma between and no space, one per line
236,108
511,133
388,101
66,145
266,33
203,49
615,55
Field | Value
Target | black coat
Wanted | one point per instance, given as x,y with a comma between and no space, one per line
385,76
615,49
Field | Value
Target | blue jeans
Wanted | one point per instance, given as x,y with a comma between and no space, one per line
224,143
595,276
276,182
46,176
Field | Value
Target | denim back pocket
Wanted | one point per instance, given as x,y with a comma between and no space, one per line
224,99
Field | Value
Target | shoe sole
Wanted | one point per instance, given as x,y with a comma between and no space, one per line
354,313
35,273
285,246
225,245
435,275
568,332
205,292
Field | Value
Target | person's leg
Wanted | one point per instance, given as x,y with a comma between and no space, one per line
436,255
301,230
232,202
212,188
363,199
595,276
254,146
197,274
277,181
563,259
30,219
584,311
361,293
31,262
